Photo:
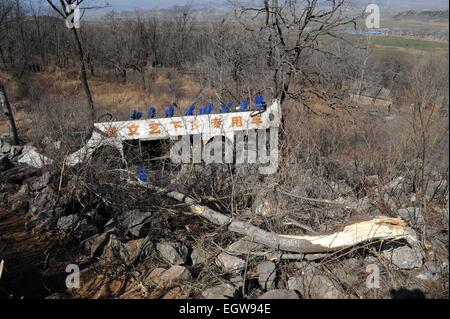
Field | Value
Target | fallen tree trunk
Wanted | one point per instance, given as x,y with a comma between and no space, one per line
6,107
380,228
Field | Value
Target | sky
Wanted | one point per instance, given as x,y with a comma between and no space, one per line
120,5
153,4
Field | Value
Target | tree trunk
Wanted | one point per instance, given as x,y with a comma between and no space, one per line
144,84
3,59
83,76
6,107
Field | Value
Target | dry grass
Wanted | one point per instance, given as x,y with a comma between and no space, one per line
56,87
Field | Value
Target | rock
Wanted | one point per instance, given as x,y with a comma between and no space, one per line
20,199
436,189
95,244
266,204
66,223
114,250
5,162
18,174
244,246
354,173
412,215
266,275
237,281
133,249
396,185
181,292
363,204
315,287
5,146
154,276
306,267
340,188
133,221
15,150
41,220
223,291
229,262
173,253
32,157
40,183
197,257
175,275
279,294
84,230
147,247
404,257
432,271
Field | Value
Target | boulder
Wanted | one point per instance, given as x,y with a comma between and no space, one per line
266,275
172,252
222,291
279,294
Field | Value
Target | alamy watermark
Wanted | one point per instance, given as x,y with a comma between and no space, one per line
73,279
73,16
258,147
373,279
373,17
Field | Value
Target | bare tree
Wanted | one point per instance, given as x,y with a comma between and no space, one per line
5,11
288,31
66,9
6,107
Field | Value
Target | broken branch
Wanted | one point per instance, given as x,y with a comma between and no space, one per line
380,228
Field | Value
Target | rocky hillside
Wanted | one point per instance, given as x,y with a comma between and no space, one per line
132,242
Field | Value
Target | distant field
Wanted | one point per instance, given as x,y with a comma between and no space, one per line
409,43
400,42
